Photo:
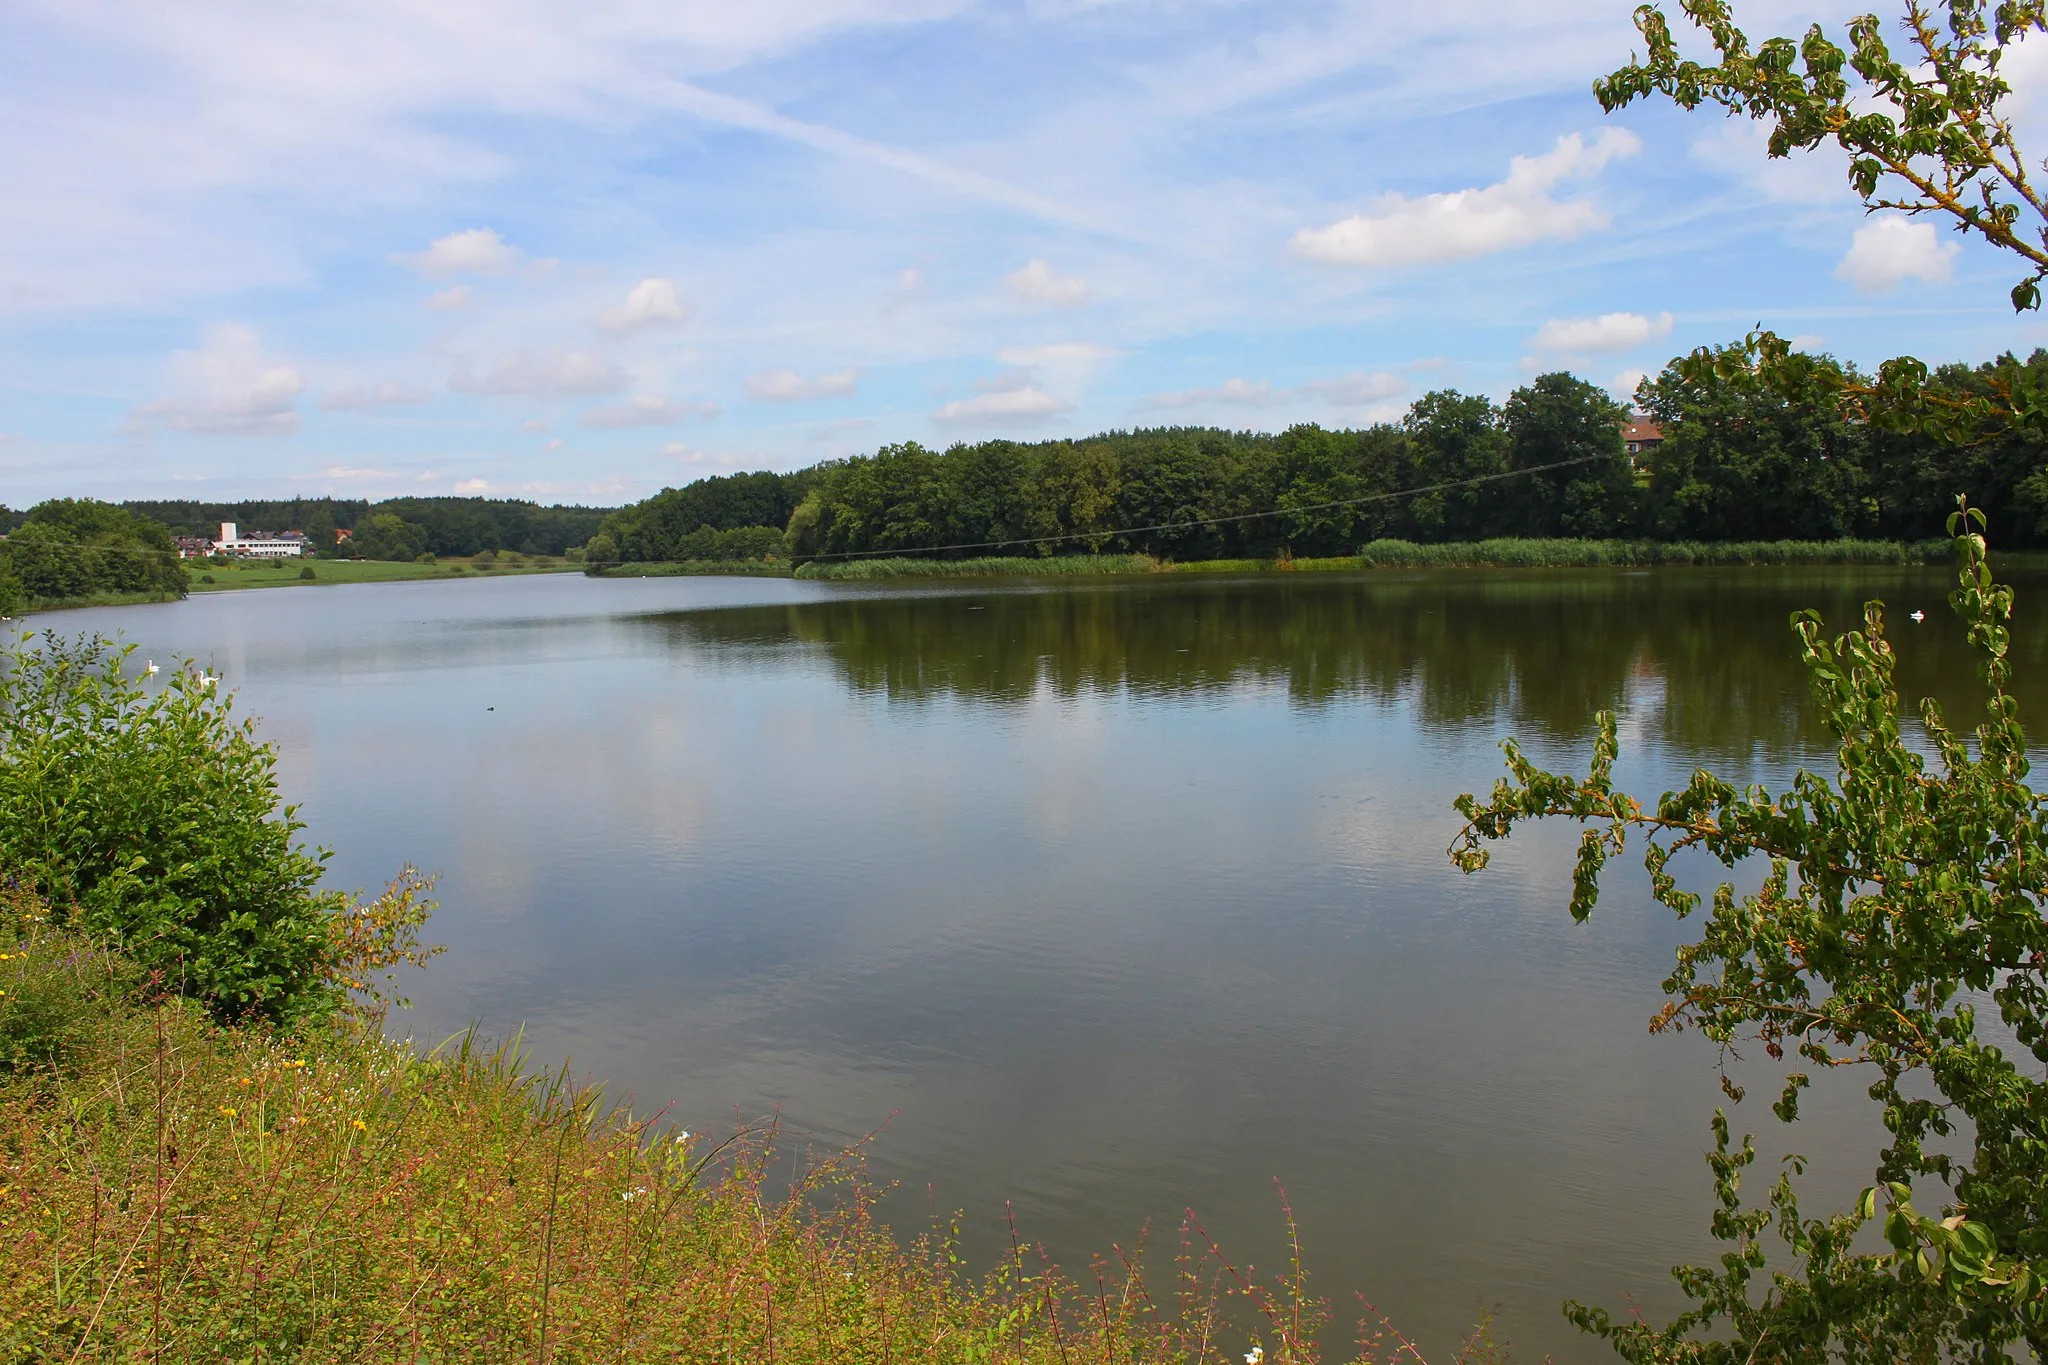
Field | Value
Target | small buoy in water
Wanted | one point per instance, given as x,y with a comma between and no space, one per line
490,708
1918,617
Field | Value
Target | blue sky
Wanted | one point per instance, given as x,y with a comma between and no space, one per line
578,250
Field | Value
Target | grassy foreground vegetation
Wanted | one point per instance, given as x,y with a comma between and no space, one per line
175,1189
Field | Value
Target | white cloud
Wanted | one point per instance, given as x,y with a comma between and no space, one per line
650,303
227,387
1890,250
447,300
1608,332
362,397
1238,393
1057,353
472,487
1357,389
553,445
477,251
787,386
1519,211
1039,283
1623,385
542,375
533,424
1025,404
649,410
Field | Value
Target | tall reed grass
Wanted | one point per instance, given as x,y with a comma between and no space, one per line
903,566
1506,553
1560,554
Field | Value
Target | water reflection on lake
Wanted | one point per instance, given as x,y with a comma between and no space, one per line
1108,898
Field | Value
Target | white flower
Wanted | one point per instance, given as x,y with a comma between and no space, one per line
1254,1355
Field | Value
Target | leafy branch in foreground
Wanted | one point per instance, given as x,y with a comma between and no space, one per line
1925,134
1902,898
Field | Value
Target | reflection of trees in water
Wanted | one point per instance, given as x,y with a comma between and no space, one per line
1532,652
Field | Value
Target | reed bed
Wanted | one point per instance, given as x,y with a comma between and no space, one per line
687,568
902,566
171,1190
1564,554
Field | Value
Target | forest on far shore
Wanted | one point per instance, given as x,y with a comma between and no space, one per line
1739,462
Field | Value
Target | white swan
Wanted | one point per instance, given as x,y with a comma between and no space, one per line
151,668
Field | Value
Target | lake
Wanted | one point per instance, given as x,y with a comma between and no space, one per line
1101,899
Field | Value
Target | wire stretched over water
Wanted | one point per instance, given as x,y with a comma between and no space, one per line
1446,486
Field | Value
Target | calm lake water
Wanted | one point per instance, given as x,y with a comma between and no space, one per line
1107,898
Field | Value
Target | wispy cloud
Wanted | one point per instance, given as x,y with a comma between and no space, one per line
544,375
363,397
787,386
649,410
1038,282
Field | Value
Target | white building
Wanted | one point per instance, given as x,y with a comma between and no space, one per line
258,547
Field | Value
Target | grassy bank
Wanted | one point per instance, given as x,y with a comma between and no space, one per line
290,573
174,1190
98,599
1402,554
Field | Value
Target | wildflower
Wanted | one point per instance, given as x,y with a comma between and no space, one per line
1254,1355
227,1111
358,1123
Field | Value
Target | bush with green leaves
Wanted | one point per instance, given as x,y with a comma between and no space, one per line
148,817
1899,931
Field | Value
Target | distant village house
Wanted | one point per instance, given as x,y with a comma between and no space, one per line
1640,435
260,544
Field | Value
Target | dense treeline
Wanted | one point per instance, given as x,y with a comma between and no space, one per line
75,549
717,518
440,526
1740,462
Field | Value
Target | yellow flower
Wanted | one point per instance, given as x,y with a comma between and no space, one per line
225,1110
358,1123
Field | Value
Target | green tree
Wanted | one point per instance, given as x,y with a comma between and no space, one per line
388,536
1557,420
1454,436
1742,461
